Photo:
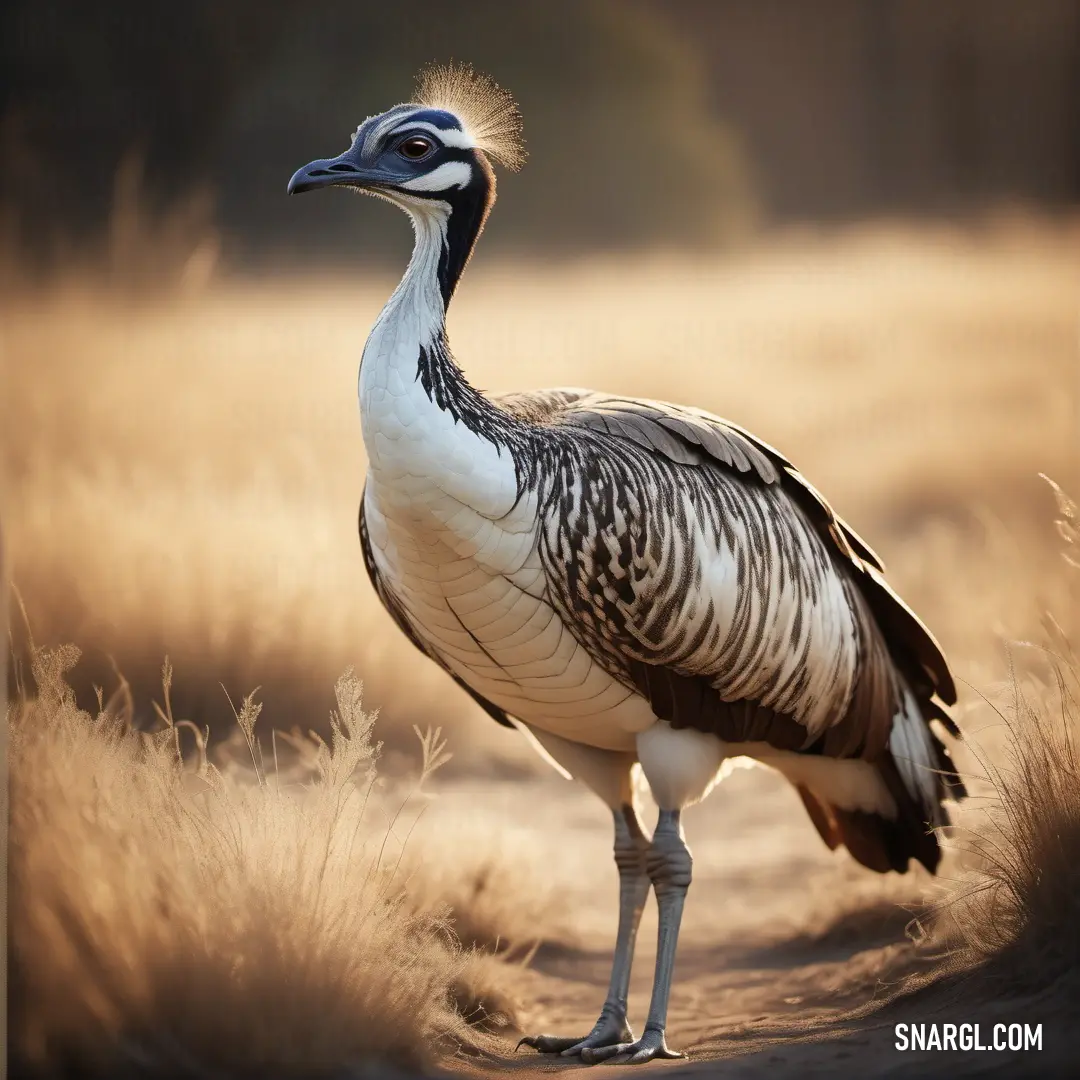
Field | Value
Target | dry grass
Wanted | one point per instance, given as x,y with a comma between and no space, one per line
183,473
181,478
1018,920
171,917
1021,924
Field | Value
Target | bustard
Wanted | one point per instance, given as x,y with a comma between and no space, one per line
632,582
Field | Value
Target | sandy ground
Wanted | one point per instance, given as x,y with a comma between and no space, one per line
783,943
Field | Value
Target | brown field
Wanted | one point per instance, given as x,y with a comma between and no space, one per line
182,477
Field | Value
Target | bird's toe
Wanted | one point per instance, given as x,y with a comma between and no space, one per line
591,1055
648,1053
610,1030
607,1033
651,1045
548,1044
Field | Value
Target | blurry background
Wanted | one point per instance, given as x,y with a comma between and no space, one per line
847,224
673,123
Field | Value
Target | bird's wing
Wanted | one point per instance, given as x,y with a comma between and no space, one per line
701,568
397,613
692,436
697,565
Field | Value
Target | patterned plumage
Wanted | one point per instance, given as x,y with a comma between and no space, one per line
630,582
695,565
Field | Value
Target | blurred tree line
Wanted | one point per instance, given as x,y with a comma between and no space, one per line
857,107
121,111
136,129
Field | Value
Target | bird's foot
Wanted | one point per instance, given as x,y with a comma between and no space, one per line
610,1030
652,1044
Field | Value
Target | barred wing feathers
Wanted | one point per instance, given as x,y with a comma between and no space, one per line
691,436
699,566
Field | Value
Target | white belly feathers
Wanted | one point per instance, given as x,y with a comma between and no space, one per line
474,590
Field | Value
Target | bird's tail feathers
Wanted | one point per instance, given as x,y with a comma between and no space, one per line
878,842
919,774
921,758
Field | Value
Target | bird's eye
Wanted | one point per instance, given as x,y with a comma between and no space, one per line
415,148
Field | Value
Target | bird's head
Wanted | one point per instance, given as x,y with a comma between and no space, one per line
431,158
435,149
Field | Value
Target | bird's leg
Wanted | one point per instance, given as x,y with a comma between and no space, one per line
612,1029
669,867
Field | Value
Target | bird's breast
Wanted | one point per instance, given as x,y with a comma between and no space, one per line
474,590
417,450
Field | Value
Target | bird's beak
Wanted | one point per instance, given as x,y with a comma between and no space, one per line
344,169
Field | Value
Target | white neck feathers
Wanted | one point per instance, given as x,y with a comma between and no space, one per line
417,451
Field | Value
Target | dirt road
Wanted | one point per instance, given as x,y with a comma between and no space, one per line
783,941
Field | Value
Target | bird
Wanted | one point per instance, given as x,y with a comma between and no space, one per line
643,589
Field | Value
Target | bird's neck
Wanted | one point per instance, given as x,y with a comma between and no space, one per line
415,315
420,416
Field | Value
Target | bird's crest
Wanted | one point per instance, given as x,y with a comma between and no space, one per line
489,113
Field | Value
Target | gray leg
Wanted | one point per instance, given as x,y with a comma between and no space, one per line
669,867
612,1029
